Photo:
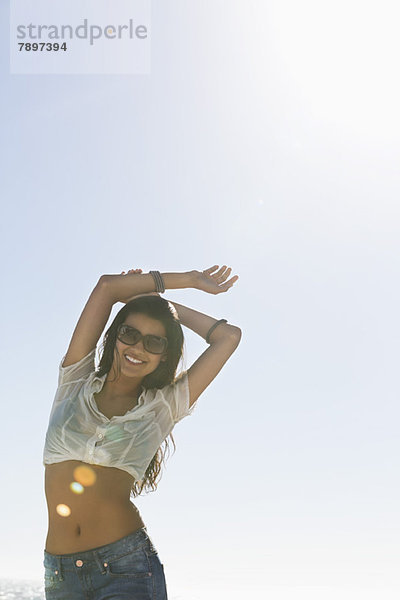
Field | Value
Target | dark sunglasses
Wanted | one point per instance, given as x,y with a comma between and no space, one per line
152,343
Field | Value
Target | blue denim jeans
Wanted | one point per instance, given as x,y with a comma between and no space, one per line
128,568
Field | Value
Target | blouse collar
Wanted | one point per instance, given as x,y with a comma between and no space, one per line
95,385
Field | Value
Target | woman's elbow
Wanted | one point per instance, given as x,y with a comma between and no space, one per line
235,333
228,335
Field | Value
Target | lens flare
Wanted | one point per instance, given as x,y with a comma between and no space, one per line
85,476
63,510
76,487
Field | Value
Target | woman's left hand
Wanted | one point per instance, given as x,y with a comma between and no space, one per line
215,283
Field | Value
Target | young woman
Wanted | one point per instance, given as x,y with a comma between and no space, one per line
106,428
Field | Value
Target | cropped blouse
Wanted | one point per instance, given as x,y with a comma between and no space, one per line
77,430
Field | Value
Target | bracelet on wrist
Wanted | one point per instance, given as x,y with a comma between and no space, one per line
158,280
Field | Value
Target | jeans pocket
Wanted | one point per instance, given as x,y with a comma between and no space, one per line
149,548
134,564
50,579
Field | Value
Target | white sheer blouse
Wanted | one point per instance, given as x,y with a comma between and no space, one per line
77,430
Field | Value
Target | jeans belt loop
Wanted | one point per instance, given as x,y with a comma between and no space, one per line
100,563
60,569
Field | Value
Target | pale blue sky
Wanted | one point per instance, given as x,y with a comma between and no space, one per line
267,138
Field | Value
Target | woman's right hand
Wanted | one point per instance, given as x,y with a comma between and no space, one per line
214,280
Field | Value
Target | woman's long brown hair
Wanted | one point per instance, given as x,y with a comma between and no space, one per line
162,310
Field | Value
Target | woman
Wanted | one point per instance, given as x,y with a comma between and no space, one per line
106,428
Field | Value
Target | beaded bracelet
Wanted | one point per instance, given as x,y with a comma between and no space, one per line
158,280
213,327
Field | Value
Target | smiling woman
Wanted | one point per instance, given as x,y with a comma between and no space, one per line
107,425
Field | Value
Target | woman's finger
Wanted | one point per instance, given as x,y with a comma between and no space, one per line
218,274
225,275
228,284
210,270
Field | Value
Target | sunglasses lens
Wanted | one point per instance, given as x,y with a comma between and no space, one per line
128,335
152,343
155,344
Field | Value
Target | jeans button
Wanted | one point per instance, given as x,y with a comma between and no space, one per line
79,563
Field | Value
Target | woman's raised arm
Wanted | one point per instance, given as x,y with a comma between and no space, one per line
90,325
224,340
109,290
121,288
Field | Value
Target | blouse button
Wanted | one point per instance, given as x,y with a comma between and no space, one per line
100,436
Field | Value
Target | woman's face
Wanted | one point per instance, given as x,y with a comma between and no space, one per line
148,361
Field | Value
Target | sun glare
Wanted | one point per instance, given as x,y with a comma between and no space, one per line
63,510
85,476
342,57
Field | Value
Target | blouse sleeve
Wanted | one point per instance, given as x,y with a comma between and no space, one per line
177,396
78,370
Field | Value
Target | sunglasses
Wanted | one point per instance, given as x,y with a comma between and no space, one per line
152,343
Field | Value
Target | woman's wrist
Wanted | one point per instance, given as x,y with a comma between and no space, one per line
204,325
176,281
124,287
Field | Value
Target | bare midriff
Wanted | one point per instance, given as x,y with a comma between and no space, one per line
101,514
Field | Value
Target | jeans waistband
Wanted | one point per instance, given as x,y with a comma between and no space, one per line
97,556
